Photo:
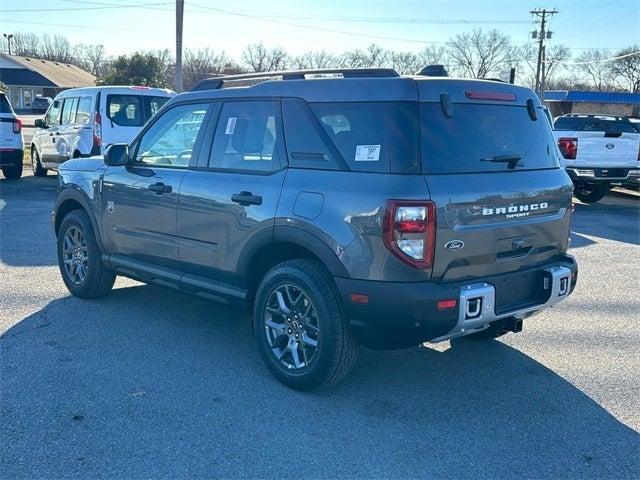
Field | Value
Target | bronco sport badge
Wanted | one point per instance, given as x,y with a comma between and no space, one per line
514,210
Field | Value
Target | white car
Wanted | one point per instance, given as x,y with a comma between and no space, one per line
11,143
598,151
82,122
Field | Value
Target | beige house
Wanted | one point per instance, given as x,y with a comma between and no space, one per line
27,78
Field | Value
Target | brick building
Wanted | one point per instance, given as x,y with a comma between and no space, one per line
561,102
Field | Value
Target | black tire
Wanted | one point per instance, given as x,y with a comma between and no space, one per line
588,192
335,352
36,167
98,279
12,172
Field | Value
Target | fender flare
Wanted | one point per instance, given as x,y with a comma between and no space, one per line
303,237
75,194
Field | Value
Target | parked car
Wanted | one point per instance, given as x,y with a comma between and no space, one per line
83,121
41,104
599,151
11,142
368,209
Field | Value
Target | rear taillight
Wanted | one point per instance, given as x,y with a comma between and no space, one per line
409,231
17,125
568,147
97,129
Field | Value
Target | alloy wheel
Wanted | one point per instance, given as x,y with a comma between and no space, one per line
291,326
75,255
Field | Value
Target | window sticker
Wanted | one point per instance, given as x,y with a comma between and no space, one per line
367,153
231,126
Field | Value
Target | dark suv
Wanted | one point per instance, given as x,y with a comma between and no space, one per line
340,207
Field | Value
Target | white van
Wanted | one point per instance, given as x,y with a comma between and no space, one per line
82,122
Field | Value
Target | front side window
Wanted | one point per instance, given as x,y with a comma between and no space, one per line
83,115
170,140
245,138
52,118
69,110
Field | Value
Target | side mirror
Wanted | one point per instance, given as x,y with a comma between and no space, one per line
116,155
39,123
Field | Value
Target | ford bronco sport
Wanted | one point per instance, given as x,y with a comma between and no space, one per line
340,207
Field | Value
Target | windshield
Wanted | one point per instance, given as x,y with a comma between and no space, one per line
481,138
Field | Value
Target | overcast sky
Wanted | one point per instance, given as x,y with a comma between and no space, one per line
124,26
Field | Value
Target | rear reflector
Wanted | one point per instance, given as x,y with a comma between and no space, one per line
499,96
447,304
359,298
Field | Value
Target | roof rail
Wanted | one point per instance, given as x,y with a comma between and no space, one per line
218,82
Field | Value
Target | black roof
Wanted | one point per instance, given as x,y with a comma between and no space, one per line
24,76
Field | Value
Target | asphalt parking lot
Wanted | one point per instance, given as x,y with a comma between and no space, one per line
151,383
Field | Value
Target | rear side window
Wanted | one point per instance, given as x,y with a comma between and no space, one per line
479,137
69,110
372,136
5,107
83,114
246,137
125,110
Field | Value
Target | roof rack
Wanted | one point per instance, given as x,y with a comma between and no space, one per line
218,82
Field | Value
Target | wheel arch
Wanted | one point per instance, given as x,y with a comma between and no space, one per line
69,200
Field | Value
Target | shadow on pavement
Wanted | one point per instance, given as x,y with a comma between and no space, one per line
615,217
147,382
25,213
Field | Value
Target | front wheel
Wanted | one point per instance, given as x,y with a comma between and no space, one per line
300,326
80,258
36,167
588,192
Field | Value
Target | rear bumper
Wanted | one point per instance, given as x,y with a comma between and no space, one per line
400,315
10,157
603,175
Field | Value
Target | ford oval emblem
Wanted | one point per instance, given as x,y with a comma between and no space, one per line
610,146
454,245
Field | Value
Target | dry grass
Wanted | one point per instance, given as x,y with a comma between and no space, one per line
26,157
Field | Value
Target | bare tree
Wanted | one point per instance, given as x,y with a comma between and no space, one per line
555,59
373,56
27,45
479,54
405,62
258,58
595,68
628,69
434,55
91,58
200,64
314,60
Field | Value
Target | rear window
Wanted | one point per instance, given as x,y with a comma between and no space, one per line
372,136
133,110
591,124
481,138
5,107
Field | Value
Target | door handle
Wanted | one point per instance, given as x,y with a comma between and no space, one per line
160,188
246,198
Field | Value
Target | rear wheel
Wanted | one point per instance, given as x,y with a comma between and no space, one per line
12,172
300,327
80,258
588,192
36,167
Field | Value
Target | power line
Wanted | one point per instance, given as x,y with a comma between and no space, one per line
100,7
611,59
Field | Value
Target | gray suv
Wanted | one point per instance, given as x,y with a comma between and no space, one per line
339,207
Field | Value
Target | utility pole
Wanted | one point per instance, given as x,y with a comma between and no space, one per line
8,36
541,36
179,22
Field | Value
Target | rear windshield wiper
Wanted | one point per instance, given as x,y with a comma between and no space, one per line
511,160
